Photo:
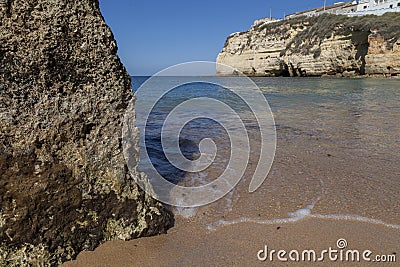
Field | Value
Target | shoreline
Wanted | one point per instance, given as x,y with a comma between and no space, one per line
330,163
238,245
282,220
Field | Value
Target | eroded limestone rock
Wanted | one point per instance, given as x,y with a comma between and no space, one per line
64,184
318,46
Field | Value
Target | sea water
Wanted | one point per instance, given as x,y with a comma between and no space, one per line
338,150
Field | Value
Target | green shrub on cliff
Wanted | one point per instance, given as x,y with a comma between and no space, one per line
316,29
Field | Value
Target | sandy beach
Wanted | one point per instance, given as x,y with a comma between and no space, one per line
189,244
312,198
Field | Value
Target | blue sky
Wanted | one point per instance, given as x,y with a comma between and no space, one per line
153,35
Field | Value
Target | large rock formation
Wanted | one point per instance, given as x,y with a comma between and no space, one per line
324,45
380,58
64,184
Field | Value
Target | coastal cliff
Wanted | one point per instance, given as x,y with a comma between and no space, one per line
316,46
64,184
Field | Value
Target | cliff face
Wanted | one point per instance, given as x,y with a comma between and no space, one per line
325,45
64,184
380,58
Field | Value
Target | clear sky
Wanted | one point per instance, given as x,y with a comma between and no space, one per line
155,34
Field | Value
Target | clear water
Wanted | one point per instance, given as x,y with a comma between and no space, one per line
338,148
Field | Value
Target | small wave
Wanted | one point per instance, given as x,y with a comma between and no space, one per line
185,212
293,217
358,218
300,215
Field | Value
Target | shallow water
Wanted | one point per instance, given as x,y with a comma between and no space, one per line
337,155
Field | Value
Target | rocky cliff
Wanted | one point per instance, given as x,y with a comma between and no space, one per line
64,184
317,46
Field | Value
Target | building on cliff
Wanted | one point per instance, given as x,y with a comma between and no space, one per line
374,7
353,8
333,9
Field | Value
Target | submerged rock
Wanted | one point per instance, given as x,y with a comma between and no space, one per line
64,184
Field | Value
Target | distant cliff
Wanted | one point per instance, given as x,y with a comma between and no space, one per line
64,183
317,46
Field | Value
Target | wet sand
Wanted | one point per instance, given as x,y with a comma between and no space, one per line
189,244
304,173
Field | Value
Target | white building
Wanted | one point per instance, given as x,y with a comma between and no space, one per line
353,8
375,7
